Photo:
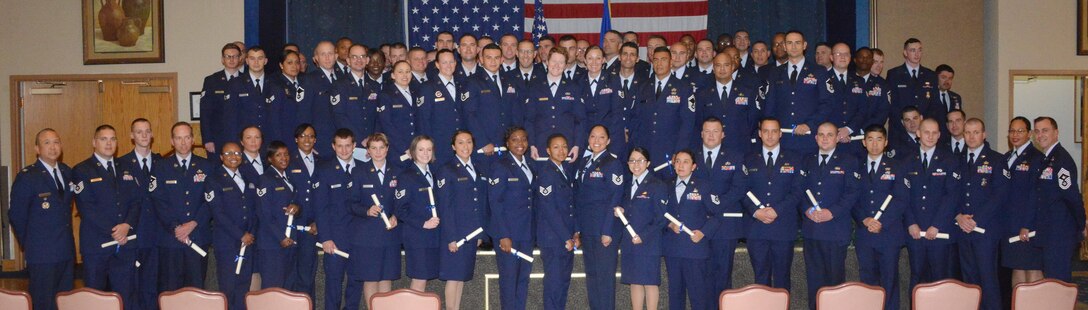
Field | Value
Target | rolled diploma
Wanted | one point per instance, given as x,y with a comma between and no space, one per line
857,138
882,207
338,252
678,223
498,149
662,166
290,221
112,243
942,236
755,200
385,218
813,200
733,214
787,130
405,157
196,248
241,257
470,236
1016,238
302,228
524,256
430,195
627,225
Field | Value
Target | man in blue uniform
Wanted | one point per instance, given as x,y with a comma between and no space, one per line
911,84
799,96
733,103
41,218
333,180
875,107
494,102
985,188
664,111
138,163
679,55
848,103
880,232
831,179
177,189
322,88
1059,213
355,102
105,198
467,50
774,174
250,98
932,175
722,170
213,128
440,103
232,200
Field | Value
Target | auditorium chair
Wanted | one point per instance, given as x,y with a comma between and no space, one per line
405,299
192,298
1044,294
850,296
946,294
755,296
89,299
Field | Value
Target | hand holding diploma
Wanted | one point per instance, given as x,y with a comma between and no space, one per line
882,207
333,250
1024,236
385,218
623,219
238,259
112,243
679,226
196,248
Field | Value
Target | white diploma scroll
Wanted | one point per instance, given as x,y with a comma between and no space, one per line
385,218
882,207
626,224
498,149
526,257
112,243
239,259
755,200
1016,238
196,248
678,223
290,222
338,252
430,195
813,200
470,236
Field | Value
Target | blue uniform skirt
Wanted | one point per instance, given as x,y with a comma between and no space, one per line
457,266
376,264
640,269
1021,256
421,263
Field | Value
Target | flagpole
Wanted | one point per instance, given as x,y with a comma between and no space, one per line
406,43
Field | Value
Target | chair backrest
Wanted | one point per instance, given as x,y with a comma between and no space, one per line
192,298
850,296
1044,294
946,295
277,299
405,299
88,299
14,300
755,296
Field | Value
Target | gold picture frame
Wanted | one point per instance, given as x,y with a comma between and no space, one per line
122,31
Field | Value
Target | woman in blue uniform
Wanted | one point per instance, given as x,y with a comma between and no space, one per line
553,105
603,103
510,198
397,113
598,190
377,262
275,203
553,202
644,207
685,253
414,207
462,200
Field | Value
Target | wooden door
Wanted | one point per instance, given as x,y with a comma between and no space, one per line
125,100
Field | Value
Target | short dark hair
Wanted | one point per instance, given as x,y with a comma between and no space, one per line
229,46
138,120
511,130
466,34
907,109
640,150
662,49
877,128
274,147
38,137
254,49
629,45
684,151
397,45
179,124
712,119
567,37
344,133
556,136
943,68
241,134
104,127
657,36
797,32
617,33
962,114
492,46
546,38
301,128
442,51
287,53
606,133
1048,119
453,139
1022,119
909,41
285,46
769,119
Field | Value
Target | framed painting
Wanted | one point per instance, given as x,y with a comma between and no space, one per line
1082,27
122,31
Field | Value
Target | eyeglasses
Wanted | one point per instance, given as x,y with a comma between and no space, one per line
232,153
636,161
1017,131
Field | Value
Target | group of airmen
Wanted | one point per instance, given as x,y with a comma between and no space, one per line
557,146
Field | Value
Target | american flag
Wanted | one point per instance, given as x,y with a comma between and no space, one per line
494,18
581,18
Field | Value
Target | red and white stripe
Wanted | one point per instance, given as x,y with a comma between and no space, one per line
582,18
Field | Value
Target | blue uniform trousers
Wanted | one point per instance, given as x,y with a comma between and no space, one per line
181,267
771,260
600,264
825,265
114,273
276,265
303,274
928,263
558,263
235,286
880,266
978,259
147,278
1058,260
687,282
335,269
514,276
48,279
720,267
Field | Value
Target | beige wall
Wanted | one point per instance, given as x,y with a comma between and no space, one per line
44,37
951,33
1028,35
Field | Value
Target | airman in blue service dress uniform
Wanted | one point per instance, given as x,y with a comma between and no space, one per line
296,107
735,104
41,218
553,207
911,84
376,261
554,105
1022,257
214,129
603,103
462,199
1059,213
277,199
774,173
879,238
251,99
177,188
138,163
686,254
333,180
664,112
301,170
440,102
494,104
233,202
831,177
985,190
723,169
355,102
415,206
798,96
398,113
644,204
106,200
510,199
598,185
933,176
322,87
